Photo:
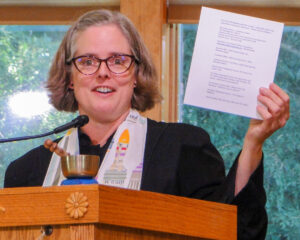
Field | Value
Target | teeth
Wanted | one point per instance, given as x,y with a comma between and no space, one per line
104,90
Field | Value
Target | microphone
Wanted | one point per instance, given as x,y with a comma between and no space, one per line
80,121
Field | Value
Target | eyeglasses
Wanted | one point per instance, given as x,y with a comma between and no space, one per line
117,64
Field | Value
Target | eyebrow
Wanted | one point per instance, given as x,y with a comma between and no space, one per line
109,55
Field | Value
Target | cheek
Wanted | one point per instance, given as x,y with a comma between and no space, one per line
126,82
78,80
127,77
128,88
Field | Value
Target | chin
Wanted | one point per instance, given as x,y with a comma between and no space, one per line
111,111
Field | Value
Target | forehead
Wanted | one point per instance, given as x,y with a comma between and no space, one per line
102,40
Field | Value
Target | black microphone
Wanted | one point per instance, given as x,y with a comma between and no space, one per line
80,121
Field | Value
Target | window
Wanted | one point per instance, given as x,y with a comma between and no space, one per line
26,55
281,151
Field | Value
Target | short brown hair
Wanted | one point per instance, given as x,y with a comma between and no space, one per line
146,92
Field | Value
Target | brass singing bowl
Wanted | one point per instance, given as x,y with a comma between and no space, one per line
80,166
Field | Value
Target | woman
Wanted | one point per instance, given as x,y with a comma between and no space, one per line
103,70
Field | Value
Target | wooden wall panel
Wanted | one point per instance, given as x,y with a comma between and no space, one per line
149,17
190,14
43,15
170,73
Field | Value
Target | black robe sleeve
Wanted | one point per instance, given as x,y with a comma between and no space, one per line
28,170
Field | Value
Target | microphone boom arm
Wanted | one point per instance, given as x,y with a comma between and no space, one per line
80,121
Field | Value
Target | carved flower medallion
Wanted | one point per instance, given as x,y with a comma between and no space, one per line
76,205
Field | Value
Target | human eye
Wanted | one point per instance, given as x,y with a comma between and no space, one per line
86,61
119,60
119,63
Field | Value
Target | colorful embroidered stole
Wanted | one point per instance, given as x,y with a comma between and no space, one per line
122,165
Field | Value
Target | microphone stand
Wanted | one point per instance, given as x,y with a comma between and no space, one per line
80,121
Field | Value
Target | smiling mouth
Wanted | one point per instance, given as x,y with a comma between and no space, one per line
104,90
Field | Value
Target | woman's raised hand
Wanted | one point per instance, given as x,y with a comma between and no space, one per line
275,113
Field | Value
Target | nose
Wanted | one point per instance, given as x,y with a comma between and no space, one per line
103,71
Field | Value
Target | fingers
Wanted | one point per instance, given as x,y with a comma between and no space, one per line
48,143
274,111
285,98
263,111
272,104
280,92
53,147
277,105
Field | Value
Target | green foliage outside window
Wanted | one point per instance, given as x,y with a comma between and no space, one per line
26,53
281,151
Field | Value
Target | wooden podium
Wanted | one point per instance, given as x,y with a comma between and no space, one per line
89,212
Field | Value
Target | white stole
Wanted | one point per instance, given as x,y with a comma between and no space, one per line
122,165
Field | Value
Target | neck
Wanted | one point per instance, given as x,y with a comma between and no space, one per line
99,131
